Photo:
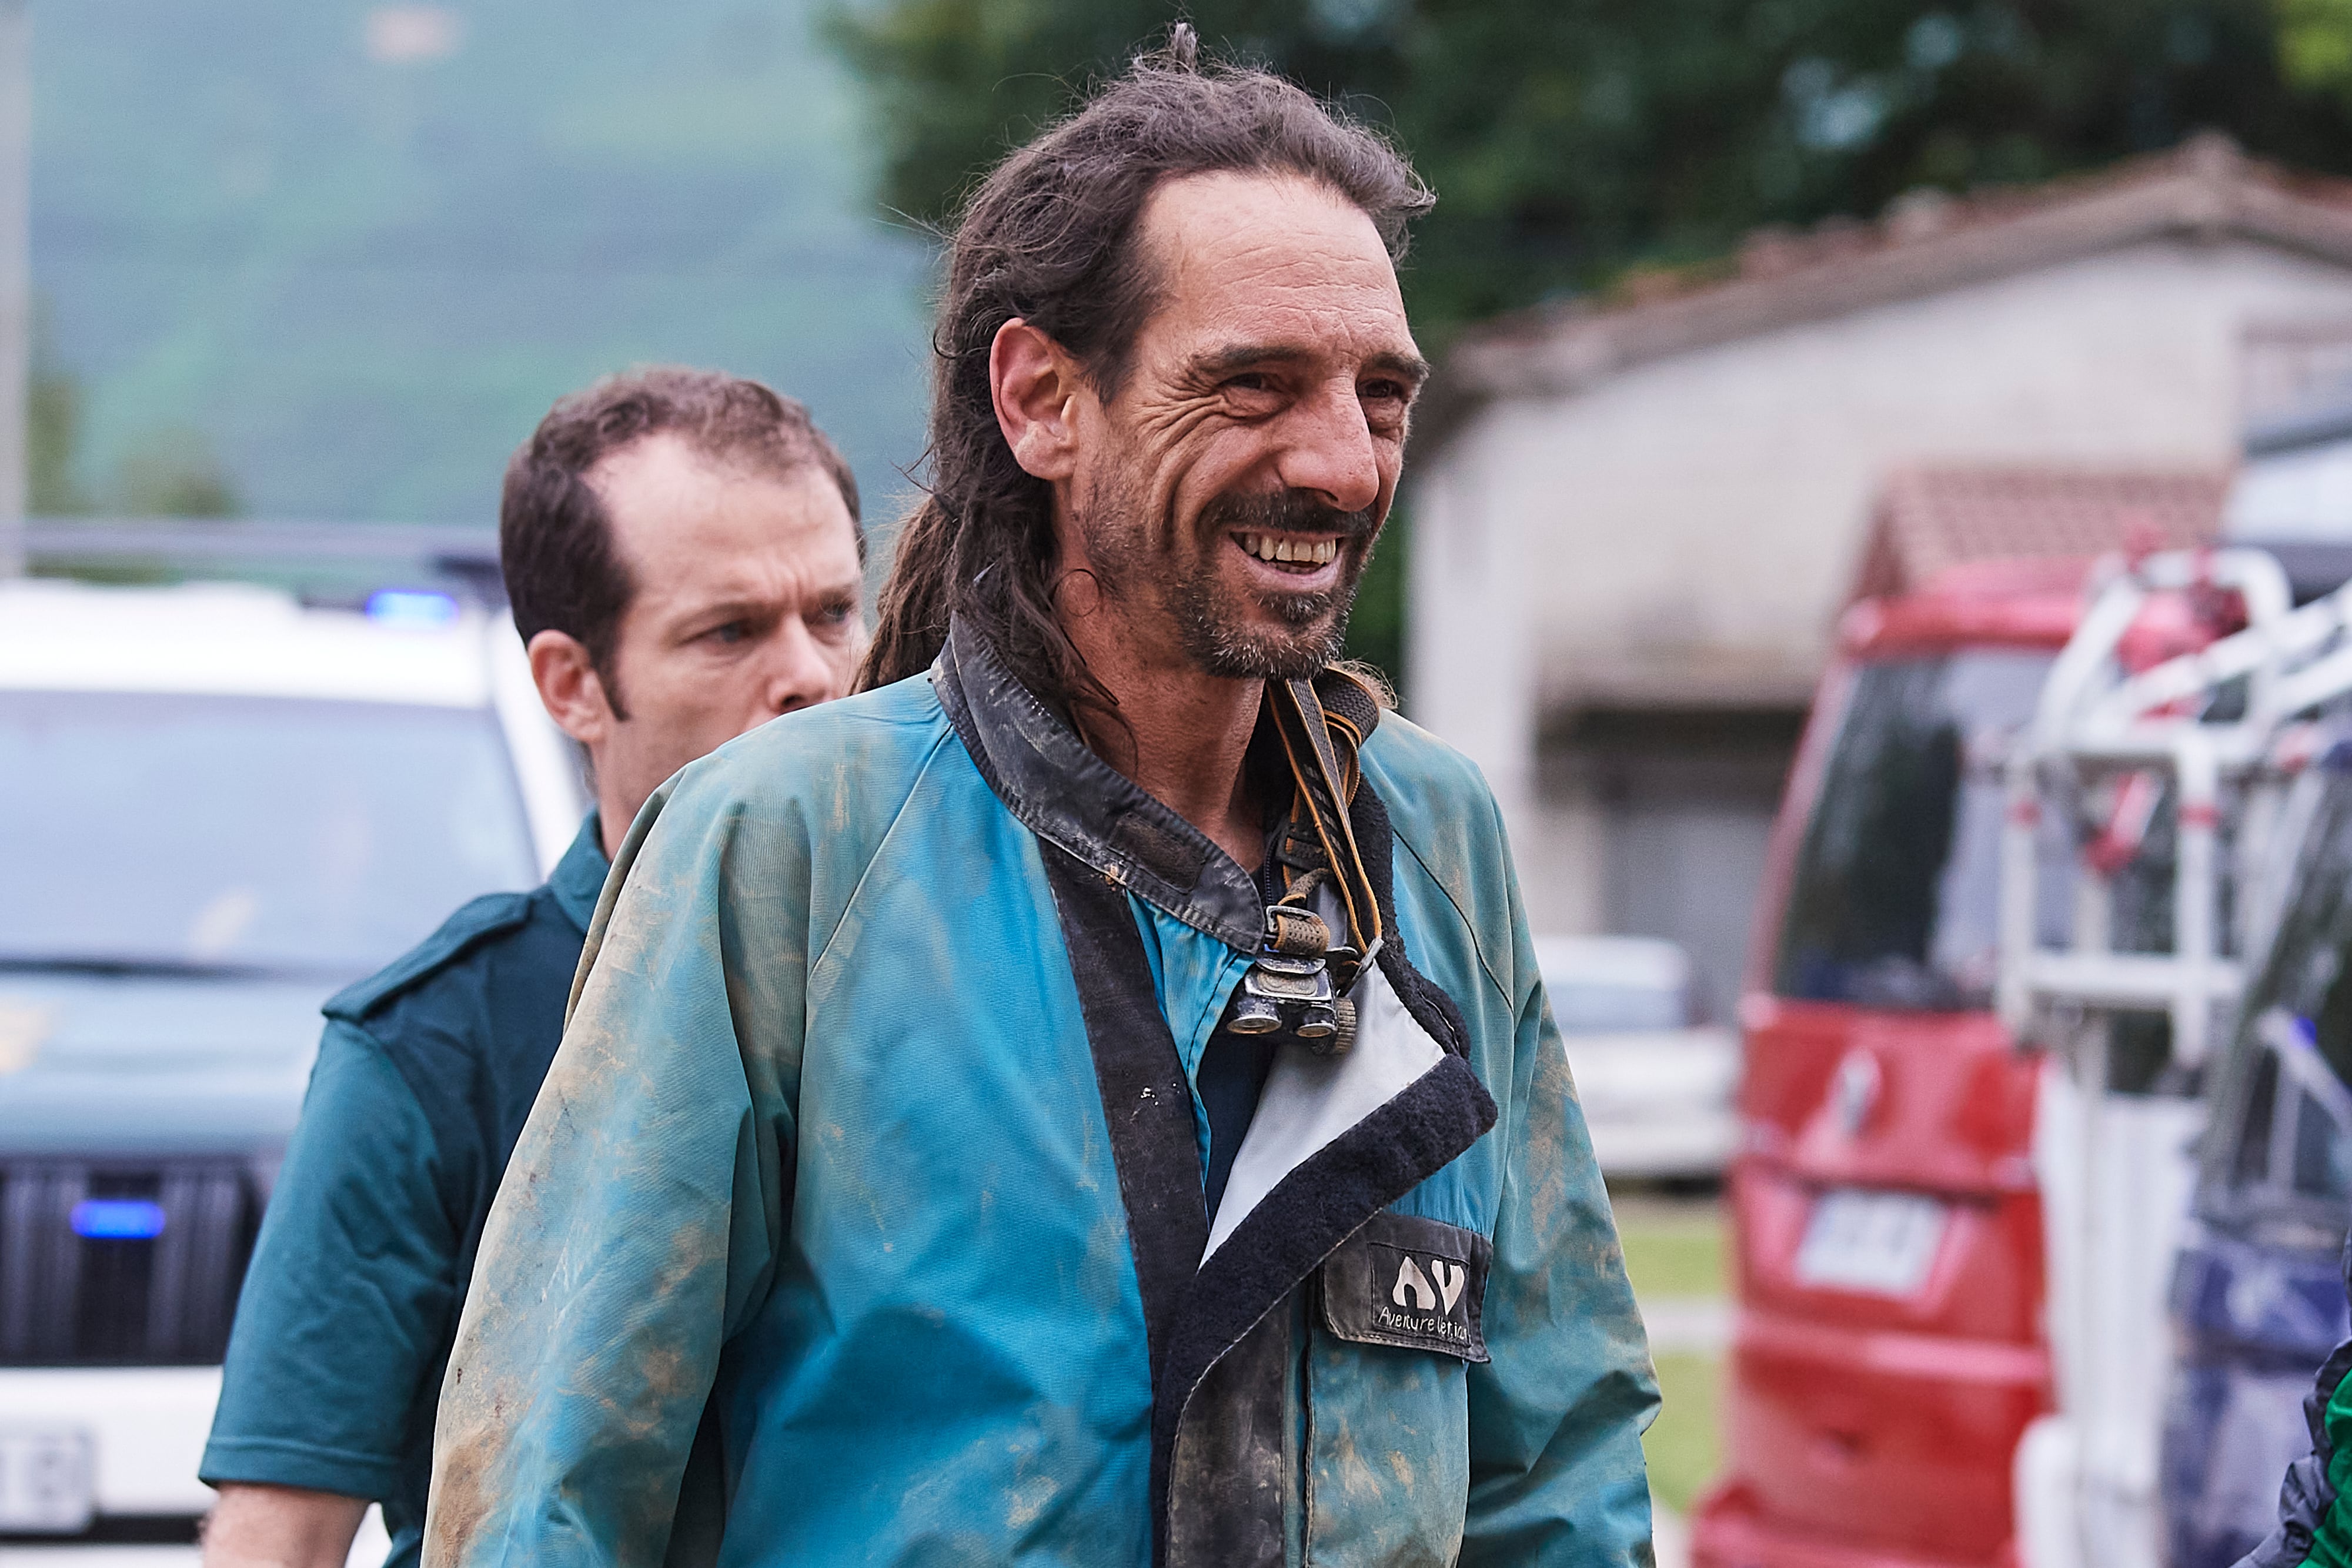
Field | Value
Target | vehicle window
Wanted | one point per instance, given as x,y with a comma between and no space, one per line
2252,1165
1588,1007
2283,1113
232,833
1896,898
2319,1150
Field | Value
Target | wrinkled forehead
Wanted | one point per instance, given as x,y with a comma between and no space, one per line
1270,256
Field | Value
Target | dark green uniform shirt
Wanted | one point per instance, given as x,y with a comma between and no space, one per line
424,1075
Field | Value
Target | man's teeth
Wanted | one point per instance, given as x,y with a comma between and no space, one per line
1267,547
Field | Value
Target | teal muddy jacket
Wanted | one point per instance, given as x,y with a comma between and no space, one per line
861,1216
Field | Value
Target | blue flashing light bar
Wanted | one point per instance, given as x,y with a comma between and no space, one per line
118,1219
414,608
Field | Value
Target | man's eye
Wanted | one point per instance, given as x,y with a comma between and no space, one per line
837,613
732,633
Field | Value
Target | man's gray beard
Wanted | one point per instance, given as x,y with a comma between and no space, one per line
1216,639
1237,652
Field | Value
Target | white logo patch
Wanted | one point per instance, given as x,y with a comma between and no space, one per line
1420,1291
1450,1278
1411,1278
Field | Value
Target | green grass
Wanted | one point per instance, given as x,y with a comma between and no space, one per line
1673,1249
1682,1443
1678,1247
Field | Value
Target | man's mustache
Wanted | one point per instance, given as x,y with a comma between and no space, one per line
1287,511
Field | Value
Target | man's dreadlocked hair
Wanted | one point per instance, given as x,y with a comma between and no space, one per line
1051,237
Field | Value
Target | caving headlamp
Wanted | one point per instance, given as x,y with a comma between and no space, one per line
1300,980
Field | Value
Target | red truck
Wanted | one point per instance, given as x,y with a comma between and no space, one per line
1888,1351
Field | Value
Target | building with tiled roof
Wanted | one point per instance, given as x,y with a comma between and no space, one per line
1930,522
1636,518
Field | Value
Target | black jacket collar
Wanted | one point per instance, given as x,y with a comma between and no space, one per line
1066,795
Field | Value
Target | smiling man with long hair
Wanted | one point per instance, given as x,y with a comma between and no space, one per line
1088,1099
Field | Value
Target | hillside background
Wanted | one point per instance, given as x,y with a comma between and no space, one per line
334,260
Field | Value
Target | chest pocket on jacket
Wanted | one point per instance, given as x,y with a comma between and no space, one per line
1417,1284
1396,1326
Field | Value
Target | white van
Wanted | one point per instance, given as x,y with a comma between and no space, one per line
219,805
1656,1084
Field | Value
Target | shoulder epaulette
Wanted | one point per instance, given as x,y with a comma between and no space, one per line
492,914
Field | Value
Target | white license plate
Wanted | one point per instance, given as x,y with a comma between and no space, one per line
1882,1243
45,1480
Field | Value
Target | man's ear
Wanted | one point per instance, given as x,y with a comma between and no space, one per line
1036,387
568,687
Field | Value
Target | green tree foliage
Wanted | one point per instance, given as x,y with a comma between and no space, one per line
175,474
169,473
53,428
1570,139
172,473
52,435
2316,44
1376,626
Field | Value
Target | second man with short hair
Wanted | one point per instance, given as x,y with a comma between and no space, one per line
683,554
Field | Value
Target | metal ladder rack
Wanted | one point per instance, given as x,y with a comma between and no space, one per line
2095,725
2106,746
